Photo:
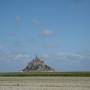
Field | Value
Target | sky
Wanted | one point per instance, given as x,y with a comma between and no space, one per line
57,31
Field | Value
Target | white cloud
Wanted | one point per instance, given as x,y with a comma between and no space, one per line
18,18
47,33
45,56
1,46
12,33
35,22
13,56
70,56
21,56
67,56
51,46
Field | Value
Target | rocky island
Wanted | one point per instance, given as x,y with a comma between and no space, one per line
37,65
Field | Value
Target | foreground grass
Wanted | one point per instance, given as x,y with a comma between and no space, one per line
67,74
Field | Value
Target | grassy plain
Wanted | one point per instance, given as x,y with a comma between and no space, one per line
70,74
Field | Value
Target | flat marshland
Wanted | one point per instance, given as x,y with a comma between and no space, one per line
44,83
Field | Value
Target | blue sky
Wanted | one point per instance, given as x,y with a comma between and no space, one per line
57,31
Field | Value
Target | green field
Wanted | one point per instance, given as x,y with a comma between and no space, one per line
71,74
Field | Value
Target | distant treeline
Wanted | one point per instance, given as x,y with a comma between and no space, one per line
67,74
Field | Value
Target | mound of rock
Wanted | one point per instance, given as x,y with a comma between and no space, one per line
37,65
